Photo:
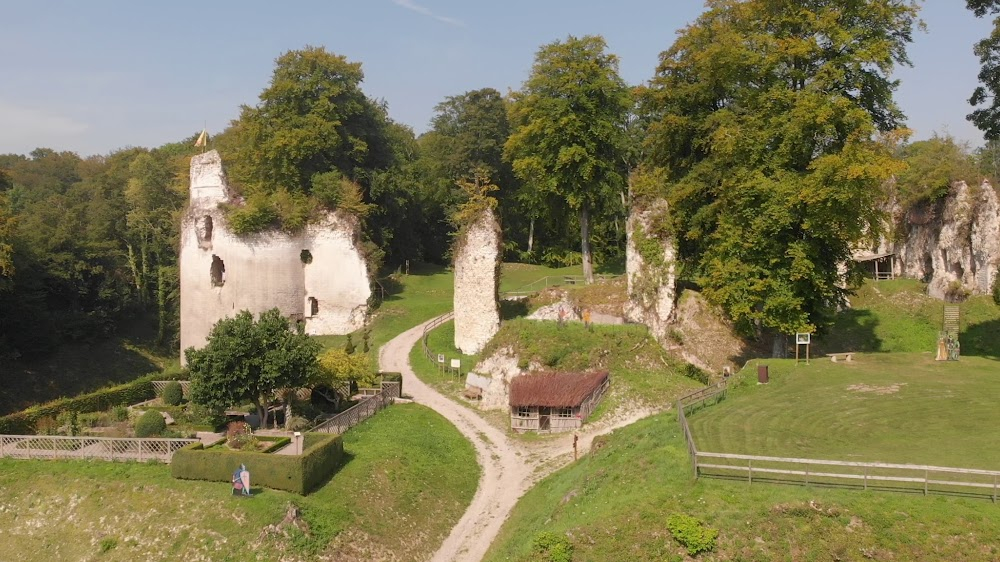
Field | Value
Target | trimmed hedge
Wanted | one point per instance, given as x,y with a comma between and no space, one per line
139,390
150,424
299,474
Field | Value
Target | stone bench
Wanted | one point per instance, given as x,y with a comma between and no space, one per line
843,356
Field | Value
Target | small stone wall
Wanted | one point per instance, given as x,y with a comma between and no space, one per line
477,279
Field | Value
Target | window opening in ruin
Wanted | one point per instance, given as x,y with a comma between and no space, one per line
207,222
306,256
313,306
218,271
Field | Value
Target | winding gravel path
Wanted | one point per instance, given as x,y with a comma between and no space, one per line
509,468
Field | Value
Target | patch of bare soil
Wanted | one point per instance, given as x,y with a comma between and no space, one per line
881,390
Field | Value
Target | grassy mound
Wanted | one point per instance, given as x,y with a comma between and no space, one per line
409,477
897,408
642,372
898,316
614,505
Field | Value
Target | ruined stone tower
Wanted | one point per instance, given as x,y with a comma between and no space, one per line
477,275
317,276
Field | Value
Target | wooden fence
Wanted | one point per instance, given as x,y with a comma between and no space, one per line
100,448
158,387
862,475
551,281
430,355
361,411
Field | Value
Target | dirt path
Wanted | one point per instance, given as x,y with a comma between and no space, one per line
509,468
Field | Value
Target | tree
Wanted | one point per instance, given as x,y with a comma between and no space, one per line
312,118
248,361
337,367
987,118
773,125
569,131
932,166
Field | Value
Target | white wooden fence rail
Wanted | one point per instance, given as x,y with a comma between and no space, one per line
865,475
100,448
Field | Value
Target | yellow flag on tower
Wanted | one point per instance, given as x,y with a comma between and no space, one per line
202,138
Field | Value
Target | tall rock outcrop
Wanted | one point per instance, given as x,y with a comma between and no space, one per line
318,276
477,283
650,256
953,245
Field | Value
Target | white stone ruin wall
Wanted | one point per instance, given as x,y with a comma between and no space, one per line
477,272
654,310
265,270
961,245
501,368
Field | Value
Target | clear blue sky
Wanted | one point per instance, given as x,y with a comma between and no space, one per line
93,77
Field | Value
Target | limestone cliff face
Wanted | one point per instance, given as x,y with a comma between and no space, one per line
477,275
317,276
651,286
955,243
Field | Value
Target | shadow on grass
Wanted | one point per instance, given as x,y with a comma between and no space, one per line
981,340
854,330
344,460
510,309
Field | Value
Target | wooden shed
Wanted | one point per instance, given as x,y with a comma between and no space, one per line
547,402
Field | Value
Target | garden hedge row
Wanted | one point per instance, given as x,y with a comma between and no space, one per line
139,390
298,474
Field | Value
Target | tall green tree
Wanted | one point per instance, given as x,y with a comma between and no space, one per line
312,118
769,124
985,96
568,132
248,361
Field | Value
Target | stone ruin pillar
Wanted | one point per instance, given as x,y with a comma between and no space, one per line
477,282
650,268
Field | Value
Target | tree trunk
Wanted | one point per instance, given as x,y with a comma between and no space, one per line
778,346
588,262
531,234
261,412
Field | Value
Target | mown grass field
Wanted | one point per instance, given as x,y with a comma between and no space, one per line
612,506
404,464
881,407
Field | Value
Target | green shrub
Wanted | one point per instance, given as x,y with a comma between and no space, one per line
70,420
150,424
173,394
692,372
996,288
550,547
298,474
139,390
691,533
119,413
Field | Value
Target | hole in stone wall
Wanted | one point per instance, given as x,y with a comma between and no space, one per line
313,306
218,271
928,268
207,228
306,256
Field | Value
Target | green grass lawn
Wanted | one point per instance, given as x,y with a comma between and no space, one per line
898,316
898,408
409,477
612,506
